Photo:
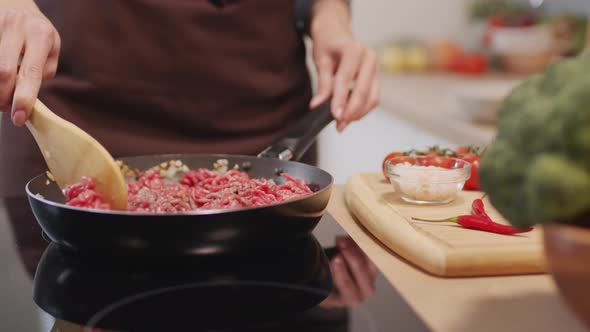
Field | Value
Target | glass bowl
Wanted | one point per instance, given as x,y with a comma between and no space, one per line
428,179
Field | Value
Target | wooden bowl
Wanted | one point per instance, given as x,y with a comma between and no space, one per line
524,50
567,248
526,63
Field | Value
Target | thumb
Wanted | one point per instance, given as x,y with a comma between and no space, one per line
325,68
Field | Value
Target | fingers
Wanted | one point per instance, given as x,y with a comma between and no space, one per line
375,95
325,68
332,301
345,76
53,59
371,104
350,295
38,45
31,36
360,95
365,95
358,266
354,65
11,47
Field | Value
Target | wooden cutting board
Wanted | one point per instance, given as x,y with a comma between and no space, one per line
443,249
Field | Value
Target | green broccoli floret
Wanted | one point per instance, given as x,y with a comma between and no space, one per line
538,169
555,189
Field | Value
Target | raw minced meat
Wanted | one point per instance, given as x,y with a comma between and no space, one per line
82,194
200,189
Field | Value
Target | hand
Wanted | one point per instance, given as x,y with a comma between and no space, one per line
342,61
353,276
29,34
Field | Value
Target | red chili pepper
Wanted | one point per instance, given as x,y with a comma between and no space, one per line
478,209
481,224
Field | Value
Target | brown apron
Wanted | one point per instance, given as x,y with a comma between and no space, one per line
168,76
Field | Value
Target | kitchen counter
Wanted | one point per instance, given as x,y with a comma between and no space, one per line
424,101
31,265
514,303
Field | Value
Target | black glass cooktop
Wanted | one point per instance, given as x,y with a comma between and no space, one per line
301,285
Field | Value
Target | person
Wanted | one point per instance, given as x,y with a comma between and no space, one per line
174,76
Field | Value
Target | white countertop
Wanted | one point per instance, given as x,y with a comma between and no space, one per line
424,100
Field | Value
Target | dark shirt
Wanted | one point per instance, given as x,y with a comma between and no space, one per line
174,76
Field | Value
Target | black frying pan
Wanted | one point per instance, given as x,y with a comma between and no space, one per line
199,232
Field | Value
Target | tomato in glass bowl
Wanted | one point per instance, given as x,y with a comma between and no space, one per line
428,179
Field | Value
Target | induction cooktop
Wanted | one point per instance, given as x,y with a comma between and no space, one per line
45,287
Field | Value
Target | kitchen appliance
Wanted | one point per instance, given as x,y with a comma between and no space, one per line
214,292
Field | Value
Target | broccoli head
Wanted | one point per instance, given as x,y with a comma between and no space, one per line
538,168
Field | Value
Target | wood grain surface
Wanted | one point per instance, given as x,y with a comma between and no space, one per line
71,153
484,304
443,249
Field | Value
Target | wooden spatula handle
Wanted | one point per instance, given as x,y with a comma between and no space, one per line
71,153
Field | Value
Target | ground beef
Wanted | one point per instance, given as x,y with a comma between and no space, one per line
199,189
82,194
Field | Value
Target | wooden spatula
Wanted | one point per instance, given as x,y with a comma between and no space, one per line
71,153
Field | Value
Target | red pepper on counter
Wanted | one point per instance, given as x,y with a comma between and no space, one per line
480,220
481,224
478,209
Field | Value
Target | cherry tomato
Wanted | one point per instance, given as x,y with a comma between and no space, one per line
456,64
388,157
524,20
462,150
474,64
473,182
496,21
406,159
443,53
439,161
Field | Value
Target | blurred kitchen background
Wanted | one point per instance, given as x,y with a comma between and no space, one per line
430,98
430,93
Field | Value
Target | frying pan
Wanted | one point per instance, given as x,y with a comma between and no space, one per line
198,232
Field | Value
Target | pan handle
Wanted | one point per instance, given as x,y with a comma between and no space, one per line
294,144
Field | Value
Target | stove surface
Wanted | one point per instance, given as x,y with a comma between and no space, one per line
45,287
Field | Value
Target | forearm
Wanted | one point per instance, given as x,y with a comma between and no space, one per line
330,14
